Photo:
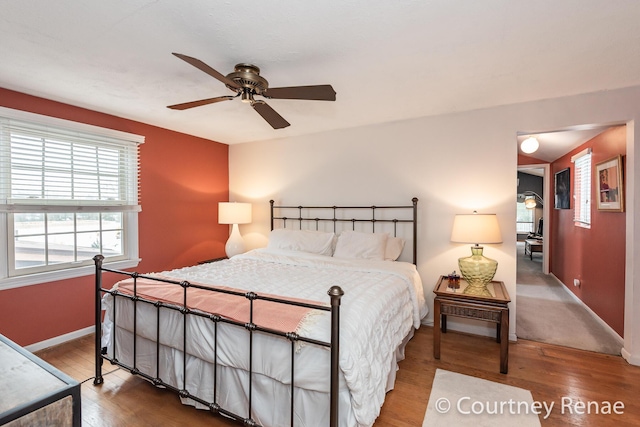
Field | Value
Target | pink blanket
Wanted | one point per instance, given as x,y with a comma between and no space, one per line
272,315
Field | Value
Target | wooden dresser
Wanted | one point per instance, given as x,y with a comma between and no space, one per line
34,393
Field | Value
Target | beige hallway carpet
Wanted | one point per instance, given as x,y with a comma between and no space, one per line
547,313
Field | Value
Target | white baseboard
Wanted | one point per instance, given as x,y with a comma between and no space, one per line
632,360
594,315
60,339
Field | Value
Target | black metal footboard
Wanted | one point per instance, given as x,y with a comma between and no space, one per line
335,294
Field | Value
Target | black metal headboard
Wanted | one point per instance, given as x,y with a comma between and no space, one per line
300,215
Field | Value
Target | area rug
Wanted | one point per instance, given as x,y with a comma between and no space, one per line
460,400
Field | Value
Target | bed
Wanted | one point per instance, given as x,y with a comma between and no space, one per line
305,332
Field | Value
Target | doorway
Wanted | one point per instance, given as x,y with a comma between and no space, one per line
533,207
547,310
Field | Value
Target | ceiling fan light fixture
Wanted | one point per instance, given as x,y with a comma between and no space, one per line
247,96
529,145
246,82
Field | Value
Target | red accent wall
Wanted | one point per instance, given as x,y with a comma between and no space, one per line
595,256
528,160
182,179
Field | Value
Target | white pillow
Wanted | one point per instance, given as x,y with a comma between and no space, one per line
354,244
394,248
315,242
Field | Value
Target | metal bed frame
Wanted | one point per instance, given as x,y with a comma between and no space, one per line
347,214
335,293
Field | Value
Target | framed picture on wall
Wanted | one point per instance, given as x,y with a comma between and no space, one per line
562,189
610,193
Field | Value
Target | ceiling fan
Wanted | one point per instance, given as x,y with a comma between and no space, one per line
247,82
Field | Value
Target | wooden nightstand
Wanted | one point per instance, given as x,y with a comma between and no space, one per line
453,302
206,261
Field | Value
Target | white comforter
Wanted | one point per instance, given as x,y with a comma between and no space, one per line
383,301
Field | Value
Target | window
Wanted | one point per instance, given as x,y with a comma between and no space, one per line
524,218
582,185
68,191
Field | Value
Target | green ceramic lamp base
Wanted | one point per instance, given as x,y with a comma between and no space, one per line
481,290
478,271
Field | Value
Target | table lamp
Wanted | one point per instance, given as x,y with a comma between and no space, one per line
234,213
477,269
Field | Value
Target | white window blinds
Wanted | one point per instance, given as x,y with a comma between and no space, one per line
44,167
582,185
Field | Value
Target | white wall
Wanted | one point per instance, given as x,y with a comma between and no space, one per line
453,163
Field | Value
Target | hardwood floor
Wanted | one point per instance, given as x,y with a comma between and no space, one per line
550,372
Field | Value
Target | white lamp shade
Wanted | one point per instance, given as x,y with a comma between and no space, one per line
476,228
529,145
234,213
530,203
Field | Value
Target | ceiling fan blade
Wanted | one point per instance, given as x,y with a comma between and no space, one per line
207,101
315,93
207,69
270,115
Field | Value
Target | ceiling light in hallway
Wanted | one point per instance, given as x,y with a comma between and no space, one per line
529,145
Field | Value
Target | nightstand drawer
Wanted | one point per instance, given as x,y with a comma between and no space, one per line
471,312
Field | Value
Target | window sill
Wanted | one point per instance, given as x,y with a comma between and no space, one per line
582,225
52,276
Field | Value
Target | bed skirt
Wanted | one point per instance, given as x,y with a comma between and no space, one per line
270,397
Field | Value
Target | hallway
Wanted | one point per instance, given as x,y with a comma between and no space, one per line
547,312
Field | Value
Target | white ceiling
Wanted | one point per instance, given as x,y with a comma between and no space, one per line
387,60
556,144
